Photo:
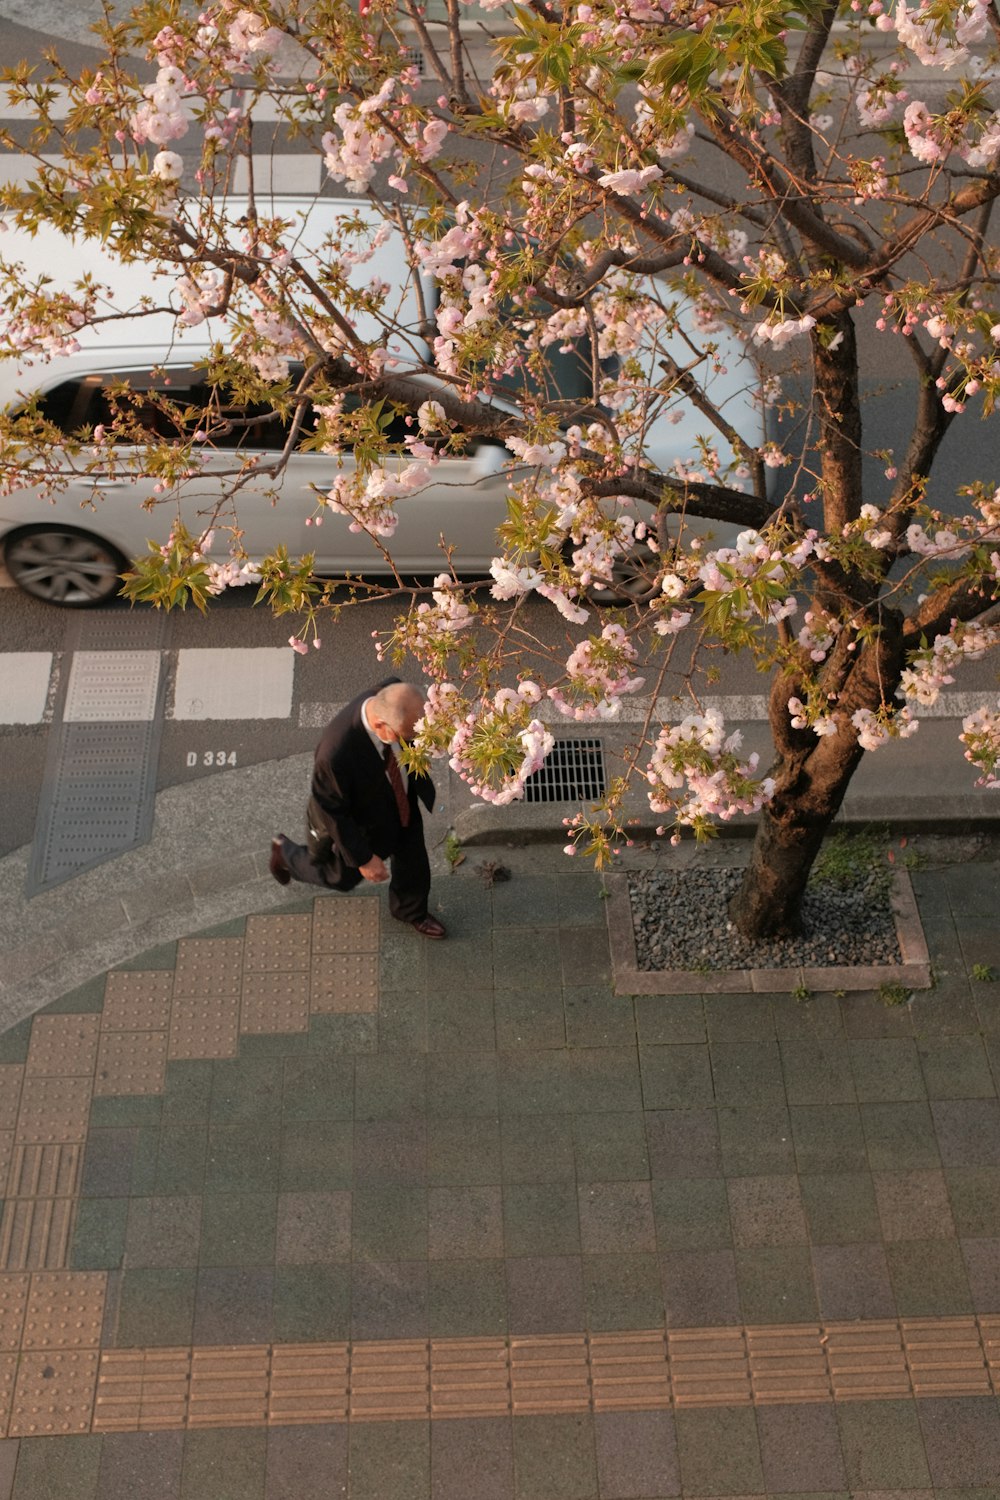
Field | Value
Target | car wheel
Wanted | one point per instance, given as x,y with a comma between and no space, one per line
633,579
61,565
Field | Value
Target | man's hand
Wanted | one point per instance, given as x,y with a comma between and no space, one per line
375,870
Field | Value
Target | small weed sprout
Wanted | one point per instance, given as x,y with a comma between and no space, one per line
985,973
893,994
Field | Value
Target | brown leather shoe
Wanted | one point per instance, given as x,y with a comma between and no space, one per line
276,863
429,927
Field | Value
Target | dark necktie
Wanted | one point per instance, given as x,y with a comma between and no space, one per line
396,782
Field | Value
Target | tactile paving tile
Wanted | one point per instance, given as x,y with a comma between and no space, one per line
788,1363
345,925
6,1156
142,1390
13,1306
945,1356
62,1046
278,943
469,1378
989,1332
137,1000
54,1392
45,1171
65,1310
345,983
35,1233
867,1361
389,1382
229,1387
275,1002
11,1075
549,1373
131,1062
204,1026
54,1109
709,1367
208,966
8,1375
629,1371
309,1383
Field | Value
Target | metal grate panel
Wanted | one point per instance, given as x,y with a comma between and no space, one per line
573,772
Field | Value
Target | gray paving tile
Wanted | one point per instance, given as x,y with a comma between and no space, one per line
584,955
460,1019
776,1284
107,1164
700,1289
312,1228
389,1460
389,1223
975,1200
141,1465
316,1157
312,1303
99,1234
234,1305
541,1219
389,1299
683,1143
669,1018
831,1138
538,1148
616,1218
739,1018
246,1091
402,1021
982,1266
929,1278
164,1231
464,1222
622,1292
390,1151
766,1211
605,1080
554,1458
636,1454
968,1131
865,1014
466,1298
388,1088
800,1448
610,1147
719,1451
529,1018
957,1068
58,1468
238,1229
156,1307
317,1088
756,1141
882,1445
818,1071
747,1073
840,1208
463,1083
463,1151
886,1068
961,1439
913,1205
596,1018
676,1077
852,1281
900,1136
691,1213
304,1461
228,1463
545,1294
471,1456
530,953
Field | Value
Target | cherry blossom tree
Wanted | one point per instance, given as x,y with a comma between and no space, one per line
666,197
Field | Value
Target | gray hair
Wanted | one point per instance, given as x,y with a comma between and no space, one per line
399,705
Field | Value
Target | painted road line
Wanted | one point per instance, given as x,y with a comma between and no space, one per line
234,683
112,687
24,686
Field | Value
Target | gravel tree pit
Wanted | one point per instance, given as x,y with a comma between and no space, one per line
681,921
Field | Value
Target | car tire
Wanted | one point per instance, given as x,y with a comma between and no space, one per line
63,565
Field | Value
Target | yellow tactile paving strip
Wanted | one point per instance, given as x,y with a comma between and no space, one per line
55,1378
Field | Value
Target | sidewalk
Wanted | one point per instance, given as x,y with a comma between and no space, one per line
305,1206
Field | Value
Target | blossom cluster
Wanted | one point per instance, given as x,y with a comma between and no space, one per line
598,674
497,745
695,772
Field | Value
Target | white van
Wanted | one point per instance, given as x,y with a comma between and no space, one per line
71,550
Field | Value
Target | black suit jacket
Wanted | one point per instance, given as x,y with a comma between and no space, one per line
351,793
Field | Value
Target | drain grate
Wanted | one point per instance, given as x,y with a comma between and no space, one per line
573,772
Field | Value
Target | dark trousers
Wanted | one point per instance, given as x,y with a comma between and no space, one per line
410,869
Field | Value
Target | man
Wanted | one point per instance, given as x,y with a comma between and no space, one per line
364,809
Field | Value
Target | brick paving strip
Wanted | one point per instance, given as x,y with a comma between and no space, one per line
913,972
55,1379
